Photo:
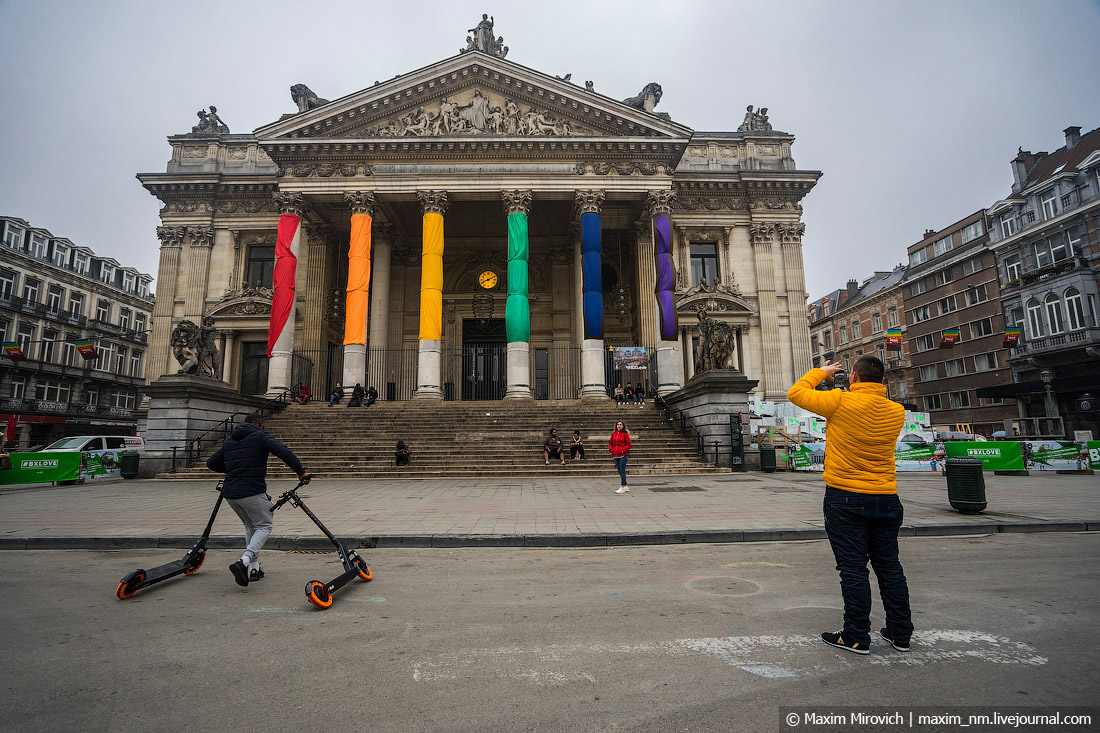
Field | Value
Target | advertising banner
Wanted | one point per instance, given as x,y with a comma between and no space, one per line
918,457
1055,455
631,357
1094,454
807,457
999,455
34,468
101,464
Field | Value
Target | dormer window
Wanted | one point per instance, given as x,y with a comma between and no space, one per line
80,263
943,246
128,282
60,255
143,288
13,237
107,274
1008,225
37,246
1049,201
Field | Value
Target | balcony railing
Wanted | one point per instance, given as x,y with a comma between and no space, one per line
1057,342
897,364
1068,264
51,407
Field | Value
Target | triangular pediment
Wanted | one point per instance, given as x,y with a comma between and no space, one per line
471,96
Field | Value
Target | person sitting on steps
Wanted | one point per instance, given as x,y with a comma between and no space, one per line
552,447
335,395
356,396
619,394
576,446
402,454
372,396
304,394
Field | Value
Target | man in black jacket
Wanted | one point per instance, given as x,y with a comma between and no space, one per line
243,460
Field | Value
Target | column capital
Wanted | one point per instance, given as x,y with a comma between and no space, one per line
589,201
171,237
383,230
659,203
289,203
517,201
790,233
762,232
361,202
201,236
433,202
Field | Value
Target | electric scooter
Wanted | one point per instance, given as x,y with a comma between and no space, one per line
318,593
189,564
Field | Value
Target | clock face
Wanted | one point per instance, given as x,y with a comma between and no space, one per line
487,279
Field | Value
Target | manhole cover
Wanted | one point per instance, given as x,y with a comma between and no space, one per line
676,488
724,586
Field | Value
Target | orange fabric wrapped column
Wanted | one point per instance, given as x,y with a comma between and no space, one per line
358,288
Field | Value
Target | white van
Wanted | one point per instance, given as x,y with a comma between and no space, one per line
98,442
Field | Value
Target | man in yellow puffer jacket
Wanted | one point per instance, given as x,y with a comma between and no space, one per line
862,511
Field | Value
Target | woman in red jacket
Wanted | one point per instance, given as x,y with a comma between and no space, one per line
620,450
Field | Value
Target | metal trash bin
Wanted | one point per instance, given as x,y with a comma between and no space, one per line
965,485
128,463
767,458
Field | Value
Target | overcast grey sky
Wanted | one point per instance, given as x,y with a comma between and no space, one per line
912,110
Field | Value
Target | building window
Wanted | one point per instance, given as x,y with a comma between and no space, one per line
139,323
13,237
7,282
947,305
24,336
828,339
68,354
120,360
37,246
91,396
5,326
876,322
932,402
103,311
974,264
843,334
30,289
942,277
1035,318
1008,225
960,399
917,287
60,255
80,263
927,342
1075,309
76,304
985,362
928,373
942,246
1015,317
143,288
1050,204
105,351
704,262
107,273
857,329
973,231
919,257
18,388
989,401
124,315
1054,314
921,313
49,346
1012,267
261,265
956,368
123,400
981,328
135,364
128,282
55,296
826,308
892,317
847,364
975,295
54,392
882,354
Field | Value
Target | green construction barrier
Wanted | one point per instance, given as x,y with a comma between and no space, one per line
995,455
40,467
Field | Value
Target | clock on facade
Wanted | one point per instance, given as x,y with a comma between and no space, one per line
487,279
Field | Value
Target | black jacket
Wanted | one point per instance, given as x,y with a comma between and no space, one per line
243,460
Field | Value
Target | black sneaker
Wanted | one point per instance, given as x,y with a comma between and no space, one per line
240,573
254,575
901,646
839,642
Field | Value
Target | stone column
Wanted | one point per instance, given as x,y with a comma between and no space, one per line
358,286
645,279
578,283
771,371
381,250
517,309
290,227
593,380
315,277
669,362
200,243
688,359
168,280
790,237
433,204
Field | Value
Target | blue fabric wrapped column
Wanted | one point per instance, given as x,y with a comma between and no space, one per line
593,382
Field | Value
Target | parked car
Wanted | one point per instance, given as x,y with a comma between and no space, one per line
98,442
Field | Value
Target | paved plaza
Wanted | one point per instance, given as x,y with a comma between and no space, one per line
523,511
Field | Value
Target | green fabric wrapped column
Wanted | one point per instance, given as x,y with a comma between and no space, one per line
517,311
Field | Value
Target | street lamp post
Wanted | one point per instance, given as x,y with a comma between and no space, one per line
1051,406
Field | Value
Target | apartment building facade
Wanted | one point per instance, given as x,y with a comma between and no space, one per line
952,284
55,294
1047,243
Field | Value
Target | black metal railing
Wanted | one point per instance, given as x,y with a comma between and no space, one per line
192,449
677,419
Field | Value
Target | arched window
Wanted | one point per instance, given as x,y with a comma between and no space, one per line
857,329
1054,314
1035,318
843,334
1075,310
893,316
876,322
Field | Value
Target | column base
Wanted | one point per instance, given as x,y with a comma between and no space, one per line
593,381
429,367
355,363
669,366
519,371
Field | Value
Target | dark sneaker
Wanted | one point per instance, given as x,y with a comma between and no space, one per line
254,575
240,573
901,646
840,642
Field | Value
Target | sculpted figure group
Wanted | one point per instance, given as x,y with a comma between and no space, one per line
478,116
195,350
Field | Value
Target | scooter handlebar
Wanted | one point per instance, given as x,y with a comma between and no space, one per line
287,496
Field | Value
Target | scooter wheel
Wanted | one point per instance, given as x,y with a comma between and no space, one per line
129,584
318,595
364,570
195,568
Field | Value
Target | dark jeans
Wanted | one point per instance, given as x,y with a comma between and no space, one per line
862,527
575,449
620,463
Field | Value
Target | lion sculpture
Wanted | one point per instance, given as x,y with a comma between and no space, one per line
304,97
647,99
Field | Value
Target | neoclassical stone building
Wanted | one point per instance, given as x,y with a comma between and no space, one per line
477,229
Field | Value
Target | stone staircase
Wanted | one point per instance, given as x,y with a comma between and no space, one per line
470,439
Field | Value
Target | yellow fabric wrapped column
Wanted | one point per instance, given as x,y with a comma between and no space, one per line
433,204
358,288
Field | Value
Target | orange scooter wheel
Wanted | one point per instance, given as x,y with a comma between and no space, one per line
195,568
364,570
318,595
129,584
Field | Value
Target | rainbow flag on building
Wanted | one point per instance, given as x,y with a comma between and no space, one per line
12,350
949,338
893,339
86,348
1012,337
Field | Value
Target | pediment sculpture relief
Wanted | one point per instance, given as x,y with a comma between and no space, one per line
478,116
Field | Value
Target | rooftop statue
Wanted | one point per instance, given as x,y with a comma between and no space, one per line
210,123
482,39
646,99
755,121
304,97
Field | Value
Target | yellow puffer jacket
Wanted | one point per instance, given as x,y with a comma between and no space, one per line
862,432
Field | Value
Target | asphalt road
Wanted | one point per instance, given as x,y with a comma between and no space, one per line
666,638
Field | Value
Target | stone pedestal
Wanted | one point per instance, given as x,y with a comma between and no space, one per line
519,371
355,364
592,375
429,368
669,367
708,400
183,407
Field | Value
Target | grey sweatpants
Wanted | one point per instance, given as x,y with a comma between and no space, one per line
256,514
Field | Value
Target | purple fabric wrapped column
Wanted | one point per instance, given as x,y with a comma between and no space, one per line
666,278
